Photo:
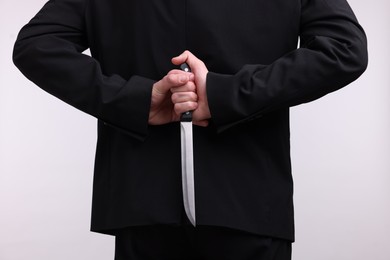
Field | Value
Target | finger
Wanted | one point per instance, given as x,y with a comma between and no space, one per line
188,87
177,80
178,72
182,97
181,108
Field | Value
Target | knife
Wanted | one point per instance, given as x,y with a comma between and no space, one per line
187,161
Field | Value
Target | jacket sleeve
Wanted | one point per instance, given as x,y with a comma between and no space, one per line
48,51
332,54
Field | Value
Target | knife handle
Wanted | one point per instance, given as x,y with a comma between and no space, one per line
184,66
187,116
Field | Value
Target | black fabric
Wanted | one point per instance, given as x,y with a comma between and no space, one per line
200,243
242,160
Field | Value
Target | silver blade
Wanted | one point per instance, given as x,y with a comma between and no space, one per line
187,169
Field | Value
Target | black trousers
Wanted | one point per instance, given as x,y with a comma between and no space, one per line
200,243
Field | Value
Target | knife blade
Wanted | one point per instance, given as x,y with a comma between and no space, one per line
187,161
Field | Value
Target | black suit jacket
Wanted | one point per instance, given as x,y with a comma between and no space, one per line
242,160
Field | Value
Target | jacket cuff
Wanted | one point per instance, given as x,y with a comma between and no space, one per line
222,98
134,104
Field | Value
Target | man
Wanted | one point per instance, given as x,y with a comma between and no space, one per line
246,73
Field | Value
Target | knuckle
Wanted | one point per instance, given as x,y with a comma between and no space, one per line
170,78
194,96
178,108
191,86
174,98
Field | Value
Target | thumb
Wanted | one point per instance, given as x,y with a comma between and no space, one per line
180,59
189,58
164,85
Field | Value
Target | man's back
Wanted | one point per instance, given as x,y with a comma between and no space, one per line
242,159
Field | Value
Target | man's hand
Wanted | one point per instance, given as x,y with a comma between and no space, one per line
201,114
172,95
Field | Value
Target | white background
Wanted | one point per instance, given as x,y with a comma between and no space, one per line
340,147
